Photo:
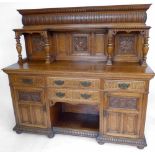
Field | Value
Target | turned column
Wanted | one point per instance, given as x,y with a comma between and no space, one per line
145,46
110,47
19,47
46,46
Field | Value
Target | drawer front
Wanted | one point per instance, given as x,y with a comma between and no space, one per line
86,96
32,81
124,85
73,83
74,96
60,94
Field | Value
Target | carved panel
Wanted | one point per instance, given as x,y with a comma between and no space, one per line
126,45
29,96
123,102
80,44
37,43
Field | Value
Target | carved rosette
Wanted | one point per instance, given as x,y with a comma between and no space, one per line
145,46
19,46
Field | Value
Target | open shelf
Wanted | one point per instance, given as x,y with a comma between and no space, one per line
82,117
78,121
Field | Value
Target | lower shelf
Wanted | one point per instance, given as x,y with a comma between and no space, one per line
78,121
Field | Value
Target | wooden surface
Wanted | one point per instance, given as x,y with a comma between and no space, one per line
82,68
85,73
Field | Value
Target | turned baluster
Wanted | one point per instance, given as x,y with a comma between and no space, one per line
145,47
19,47
46,46
110,47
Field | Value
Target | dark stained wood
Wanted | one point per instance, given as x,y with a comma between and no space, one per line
78,121
85,73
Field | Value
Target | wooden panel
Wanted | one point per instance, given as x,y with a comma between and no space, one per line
80,44
100,44
130,124
123,102
29,96
126,47
122,113
113,122
39,116
25,114
121,124
80,108
61,44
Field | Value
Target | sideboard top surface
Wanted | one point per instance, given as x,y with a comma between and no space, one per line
82,68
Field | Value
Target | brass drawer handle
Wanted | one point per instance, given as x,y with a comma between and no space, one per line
60,94
59,82
27,81
85,83
85,96
123,85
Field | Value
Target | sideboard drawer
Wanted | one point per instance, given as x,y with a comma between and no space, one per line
86,96
33,81
74,96
73,83
124,85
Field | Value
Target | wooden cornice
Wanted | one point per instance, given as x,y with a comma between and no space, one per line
124,14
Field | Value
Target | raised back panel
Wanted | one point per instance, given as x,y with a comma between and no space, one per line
100,33
128,47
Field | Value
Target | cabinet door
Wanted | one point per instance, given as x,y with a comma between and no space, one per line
31,107
122,113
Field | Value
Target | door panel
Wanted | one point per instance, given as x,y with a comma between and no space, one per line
32,107
122,114
39,116
25,114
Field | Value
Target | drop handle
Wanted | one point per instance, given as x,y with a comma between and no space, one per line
85,96
59,82
85,83
123,85
27,81
60,94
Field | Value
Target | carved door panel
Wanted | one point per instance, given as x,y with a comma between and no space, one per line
31,107
122,113
38,114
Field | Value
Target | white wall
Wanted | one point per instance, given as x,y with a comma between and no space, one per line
10,19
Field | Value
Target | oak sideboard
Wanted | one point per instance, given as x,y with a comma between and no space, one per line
85,73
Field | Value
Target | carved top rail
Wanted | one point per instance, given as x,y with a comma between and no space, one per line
86,15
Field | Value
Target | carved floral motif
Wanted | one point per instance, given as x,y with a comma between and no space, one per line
29,96
80,43
126,45
122,102
37,44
